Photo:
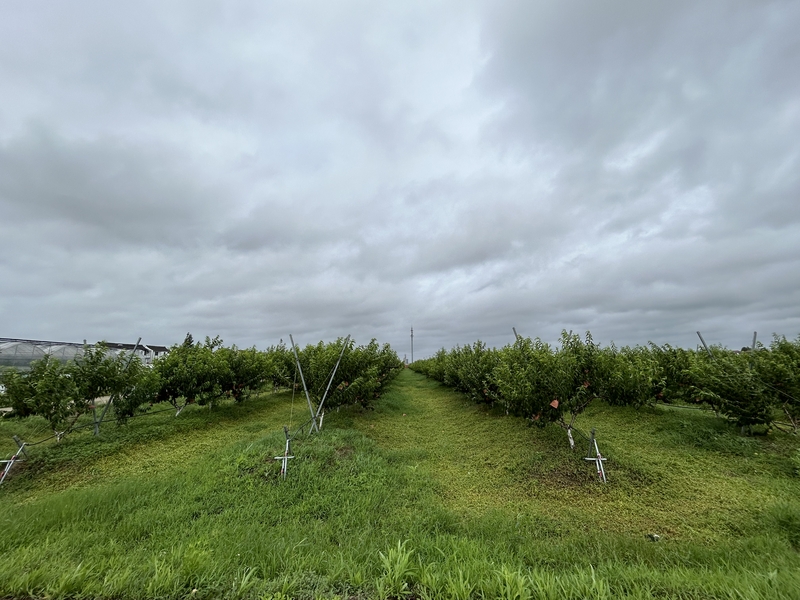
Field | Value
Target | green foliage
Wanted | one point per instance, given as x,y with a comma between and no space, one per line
48,389
246,370
726,382
139,385
631,376
62,392
97,374
399,571
779,370
282,365
19,389
469,369
583,371
529,378
192,372
361,377
512,585
205,372
56,393
674,382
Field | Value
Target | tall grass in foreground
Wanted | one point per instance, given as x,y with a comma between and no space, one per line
210,517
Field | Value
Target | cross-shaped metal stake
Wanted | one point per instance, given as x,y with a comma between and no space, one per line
285,458
597,458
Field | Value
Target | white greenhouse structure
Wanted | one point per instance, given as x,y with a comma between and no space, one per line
21,353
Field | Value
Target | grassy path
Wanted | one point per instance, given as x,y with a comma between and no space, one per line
683,476
464,452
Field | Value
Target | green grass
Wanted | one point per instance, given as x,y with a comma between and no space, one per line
428,495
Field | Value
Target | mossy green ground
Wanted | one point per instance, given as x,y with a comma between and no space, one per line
426,495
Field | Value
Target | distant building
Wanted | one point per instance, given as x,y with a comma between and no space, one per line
21,353
146,352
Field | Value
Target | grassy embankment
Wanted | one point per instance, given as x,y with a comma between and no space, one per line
428,493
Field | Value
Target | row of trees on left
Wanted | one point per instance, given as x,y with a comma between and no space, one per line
192,372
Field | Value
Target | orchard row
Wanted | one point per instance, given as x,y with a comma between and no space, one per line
555,384
194,372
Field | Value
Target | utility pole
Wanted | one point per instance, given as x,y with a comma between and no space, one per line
412,345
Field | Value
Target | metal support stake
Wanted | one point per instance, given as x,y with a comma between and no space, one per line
597,458
94,404
21,445
516,335
10,463
314,426
330,381
704,345
753,350
111,399
285,458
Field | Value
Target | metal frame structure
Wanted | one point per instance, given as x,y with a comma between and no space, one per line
318,415
285,458
20,353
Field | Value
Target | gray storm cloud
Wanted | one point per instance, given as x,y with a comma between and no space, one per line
252,170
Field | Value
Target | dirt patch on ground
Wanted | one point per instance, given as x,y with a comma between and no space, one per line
344,452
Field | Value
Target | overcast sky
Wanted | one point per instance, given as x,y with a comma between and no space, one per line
254,169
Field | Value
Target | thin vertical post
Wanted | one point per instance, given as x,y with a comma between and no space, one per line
285,458
597,458
330,381
704,344
412,345
755,335
94,404
516,335
601,471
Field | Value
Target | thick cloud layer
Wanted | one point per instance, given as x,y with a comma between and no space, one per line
324,168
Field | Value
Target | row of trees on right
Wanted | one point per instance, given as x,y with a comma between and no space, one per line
549,384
